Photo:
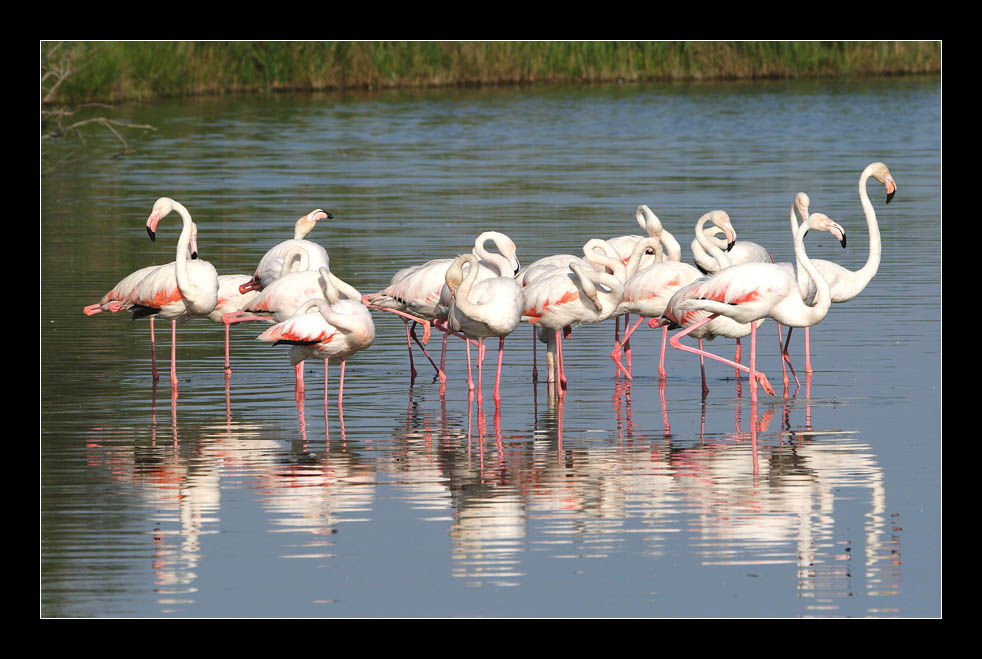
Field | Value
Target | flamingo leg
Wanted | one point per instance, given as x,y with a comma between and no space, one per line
470,380
153,353
425,323
299,380
627,345
535,370
325,385
173,354
560,368
616,353
661,360
228,368
480,371
497,377
785,357
412,367
737,355
753,361
808,352
759,376
341,387
412,332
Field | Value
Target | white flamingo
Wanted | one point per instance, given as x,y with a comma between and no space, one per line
178,291
481,308
419,293
751,292
552,303
845,284
122,297
332,328
271,264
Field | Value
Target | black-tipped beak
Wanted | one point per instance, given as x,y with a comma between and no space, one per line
194,255
729,246
890,195
153,236
329,216
843,241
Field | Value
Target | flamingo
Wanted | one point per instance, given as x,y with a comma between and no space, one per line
481,308
271,265
419,293
283,297
332,328
178,291
751,292
579,295
647,294
707,249
845,284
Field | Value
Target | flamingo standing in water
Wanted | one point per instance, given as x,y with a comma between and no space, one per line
178,291
332,328
420,294
271,265
751,292
579,295
121,297
481,308
845,284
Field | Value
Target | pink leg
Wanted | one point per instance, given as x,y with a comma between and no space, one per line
808,351
535,370
497,377
299,386
412,333
341,386
560,368
736,356
758,377
702,368
616,353
173,354
480,371
661,361
753,362
423,321
470,380
627,344
228,368
325,384
785,357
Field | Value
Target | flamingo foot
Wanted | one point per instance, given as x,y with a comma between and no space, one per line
764,383
92,309
615,355
251,285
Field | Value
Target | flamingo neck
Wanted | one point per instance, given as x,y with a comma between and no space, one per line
866,273
297,255
711,248
181,260
823,298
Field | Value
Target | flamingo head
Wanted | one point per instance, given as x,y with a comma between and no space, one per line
722,220
801,203
882,174
306,223
648,221
161,208
823,222
193,246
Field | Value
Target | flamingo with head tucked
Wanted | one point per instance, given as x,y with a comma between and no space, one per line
481,308
751,292
271,265
845,284
332,327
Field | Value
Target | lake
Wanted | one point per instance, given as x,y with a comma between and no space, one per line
628,498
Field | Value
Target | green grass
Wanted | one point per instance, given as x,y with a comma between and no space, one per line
116,71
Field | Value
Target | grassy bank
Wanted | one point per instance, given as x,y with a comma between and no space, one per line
76,72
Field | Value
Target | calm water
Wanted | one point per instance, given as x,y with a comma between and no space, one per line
628,499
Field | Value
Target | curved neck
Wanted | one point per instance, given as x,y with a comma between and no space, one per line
610,289
823,297
866,273
709,246
502,260
183,243
640,251
296,260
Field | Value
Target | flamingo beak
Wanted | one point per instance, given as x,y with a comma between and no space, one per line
730,237
891,187
839,233
152,225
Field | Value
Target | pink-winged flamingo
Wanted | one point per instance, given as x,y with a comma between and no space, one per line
750,292
579,295
845,284
481,308
332,327
122,297
419,293
178,291
271,264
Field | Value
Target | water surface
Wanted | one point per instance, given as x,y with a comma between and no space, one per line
637,498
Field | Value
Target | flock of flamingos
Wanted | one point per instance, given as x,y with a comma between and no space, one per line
732,289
